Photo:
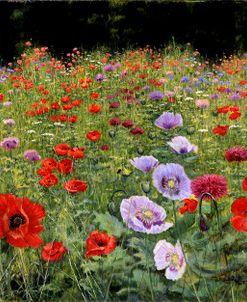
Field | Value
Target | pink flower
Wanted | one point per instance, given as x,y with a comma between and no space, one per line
214,184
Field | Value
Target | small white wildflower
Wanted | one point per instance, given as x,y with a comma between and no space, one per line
199,92
234,126
59,124
31,131
189,98
37,123
47,134
202,130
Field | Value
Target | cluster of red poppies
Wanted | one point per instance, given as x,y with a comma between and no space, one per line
64,166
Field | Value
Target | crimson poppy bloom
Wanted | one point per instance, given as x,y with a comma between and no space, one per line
235,115
214,184
62,118
244,184
65,166
93,135
65,99
223,109
115,121
20,221
48,181
62,149
94,95
76,103
221,130
75,186
237,153
98,244
190,205
136,131
128,124
49,163
44,171
104,148
76,153
53,251
239,210
94,108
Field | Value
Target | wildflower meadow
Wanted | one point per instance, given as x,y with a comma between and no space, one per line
123,176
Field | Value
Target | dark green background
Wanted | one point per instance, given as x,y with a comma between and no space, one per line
213,27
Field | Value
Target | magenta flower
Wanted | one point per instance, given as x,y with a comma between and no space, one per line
10,143
170,257
143,215
32,155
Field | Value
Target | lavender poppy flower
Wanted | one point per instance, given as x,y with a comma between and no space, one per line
168,120
10,143
202,103
146,87
181,145
215,96
32,155
234,97
145,163
171,181
7,104
9,122
108,67
156,95
170,257
100,77
143,215
184,79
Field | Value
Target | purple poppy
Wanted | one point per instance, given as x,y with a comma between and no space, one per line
145,163
202,103
32,155
234,97
156,95
7,104
10,143
168,120
9,122
181,145
100,77
171,181
108,67
170,257
143,215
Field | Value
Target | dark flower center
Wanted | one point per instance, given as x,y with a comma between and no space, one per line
100,243
16,220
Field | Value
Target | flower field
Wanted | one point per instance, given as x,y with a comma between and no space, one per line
123,176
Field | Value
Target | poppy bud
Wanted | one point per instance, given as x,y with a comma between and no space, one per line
112,133
203,225
145,185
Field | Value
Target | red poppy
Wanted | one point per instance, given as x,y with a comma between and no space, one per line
98,244
75,186
237,153
239,210
94,95
114,105
244,184
48,181
49,163
93,135
104,148
72,119
62,149
234,115
223,109
115,121
65,166
136,131
20,221
128,124
65,99
76,153
76,103
94,108
67,107
221,130
53,251
234,108
44,171
190,205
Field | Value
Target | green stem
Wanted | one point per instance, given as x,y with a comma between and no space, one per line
148,269
181,242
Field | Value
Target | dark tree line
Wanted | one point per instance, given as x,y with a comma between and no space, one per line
213,27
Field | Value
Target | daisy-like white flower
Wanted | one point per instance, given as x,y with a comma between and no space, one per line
171,181
143,215
145,163
170,257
